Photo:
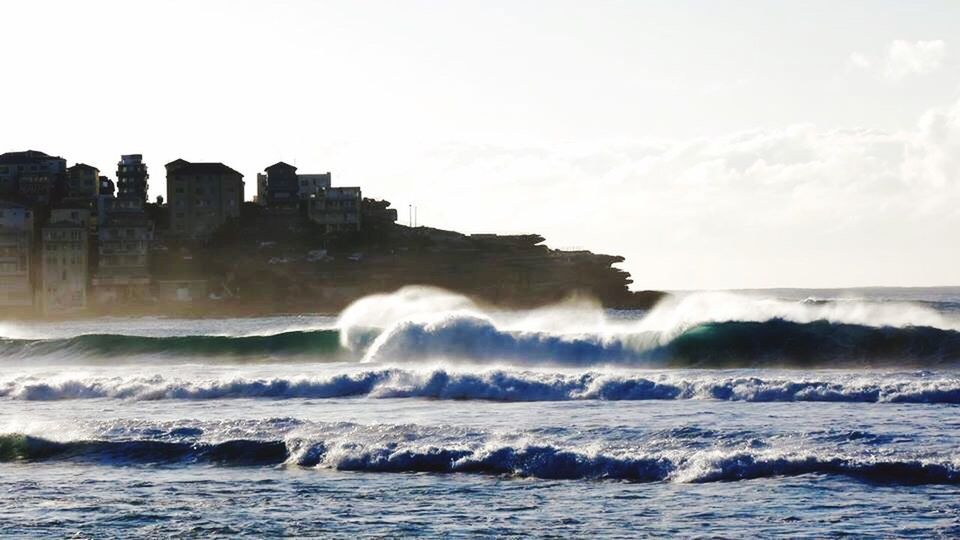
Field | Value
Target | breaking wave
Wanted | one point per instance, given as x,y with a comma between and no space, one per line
705,330
502,385
726,344
539,461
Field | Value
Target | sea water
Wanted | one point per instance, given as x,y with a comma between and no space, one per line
753,413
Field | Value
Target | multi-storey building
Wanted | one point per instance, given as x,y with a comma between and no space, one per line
261,197
42,171
65,272
15,215
201,197
16,240
81,211
104,199
83,182
283,187
310,185
132,178
41,189
122,274
337,209
16,288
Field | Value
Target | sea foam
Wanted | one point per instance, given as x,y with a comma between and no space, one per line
500,385
548,461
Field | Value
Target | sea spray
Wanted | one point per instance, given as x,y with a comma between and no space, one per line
418,324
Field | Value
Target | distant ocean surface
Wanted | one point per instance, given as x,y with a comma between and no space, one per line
800,413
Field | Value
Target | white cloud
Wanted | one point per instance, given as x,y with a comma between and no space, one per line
859,60
903,59
792,206
906,58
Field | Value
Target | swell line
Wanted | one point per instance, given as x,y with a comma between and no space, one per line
500,385
538,461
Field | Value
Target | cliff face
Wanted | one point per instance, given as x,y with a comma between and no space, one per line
286,265
511,271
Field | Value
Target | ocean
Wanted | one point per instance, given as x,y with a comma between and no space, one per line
800,413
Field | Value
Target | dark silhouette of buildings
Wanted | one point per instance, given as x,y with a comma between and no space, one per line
69,243
123,248
132,179
336,209
283,186
33,170
64,267
83,182
16,266
201,197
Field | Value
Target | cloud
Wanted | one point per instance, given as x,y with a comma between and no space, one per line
905,58
798,205
860,61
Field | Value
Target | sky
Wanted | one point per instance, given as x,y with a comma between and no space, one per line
713,144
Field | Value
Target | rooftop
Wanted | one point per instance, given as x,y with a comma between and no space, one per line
182,166
28,156
280,165
84,166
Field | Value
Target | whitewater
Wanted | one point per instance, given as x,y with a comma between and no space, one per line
422,412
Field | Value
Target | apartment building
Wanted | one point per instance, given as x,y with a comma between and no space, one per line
122,273
83,182
38,171
201,197
337,209
16,240
64,260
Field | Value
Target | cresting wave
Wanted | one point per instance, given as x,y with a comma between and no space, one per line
725,344
539,461
502,385
728,344
707,330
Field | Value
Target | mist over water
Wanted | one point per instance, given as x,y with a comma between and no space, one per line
784,391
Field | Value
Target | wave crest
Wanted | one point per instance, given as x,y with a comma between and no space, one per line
503,385
538,461
728,344
417,325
